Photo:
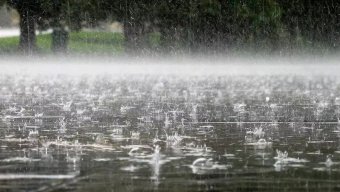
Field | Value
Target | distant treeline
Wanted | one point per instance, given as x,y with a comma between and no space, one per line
195,25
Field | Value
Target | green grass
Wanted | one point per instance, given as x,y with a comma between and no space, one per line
96,42
79,43
9,44
107,43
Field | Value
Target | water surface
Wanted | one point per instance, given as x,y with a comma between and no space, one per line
169,132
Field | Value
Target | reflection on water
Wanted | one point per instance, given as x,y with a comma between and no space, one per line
169,133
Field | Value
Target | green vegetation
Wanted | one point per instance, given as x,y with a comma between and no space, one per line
272,26
79,43
107,43
9,44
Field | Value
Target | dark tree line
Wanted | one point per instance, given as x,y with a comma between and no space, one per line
196,25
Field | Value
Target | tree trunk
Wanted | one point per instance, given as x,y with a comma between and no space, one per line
27,42
132,37
59,40
129,37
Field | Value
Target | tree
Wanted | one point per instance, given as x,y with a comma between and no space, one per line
2,3
205,25
73,15
28,11
64,15
138,19
193,25
260,22
312,22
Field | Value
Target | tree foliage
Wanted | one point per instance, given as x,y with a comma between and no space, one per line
199,24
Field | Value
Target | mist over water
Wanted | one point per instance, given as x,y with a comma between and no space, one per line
200,65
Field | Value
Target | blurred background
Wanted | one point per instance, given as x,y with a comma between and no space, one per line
114,27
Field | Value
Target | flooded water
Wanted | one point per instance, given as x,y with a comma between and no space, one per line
169,132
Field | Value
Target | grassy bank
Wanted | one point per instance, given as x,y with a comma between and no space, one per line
79,43
107,43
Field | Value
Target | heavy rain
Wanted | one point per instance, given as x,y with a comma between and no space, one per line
196,95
